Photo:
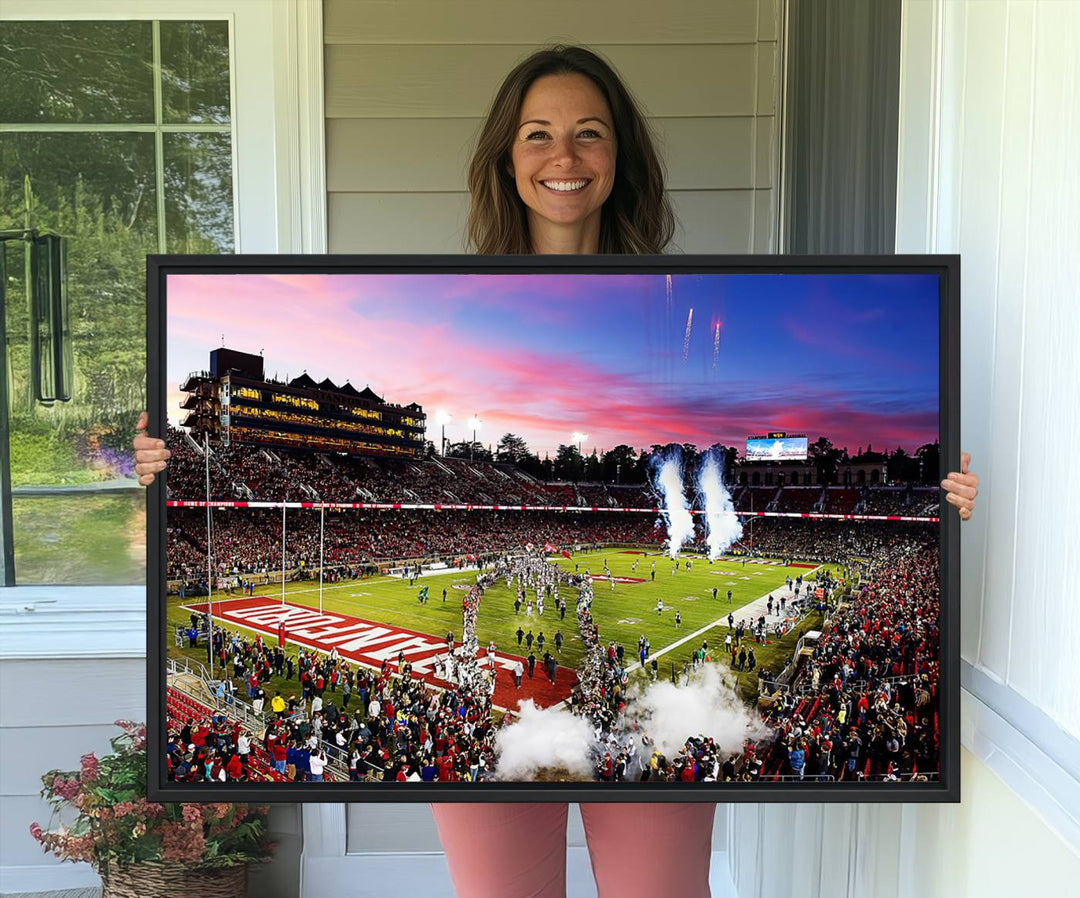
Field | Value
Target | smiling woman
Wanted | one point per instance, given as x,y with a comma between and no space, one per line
594,178
563,162
563,117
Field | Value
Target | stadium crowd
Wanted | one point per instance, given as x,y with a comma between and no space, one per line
248,541
863,706
399,729
823,541
276,474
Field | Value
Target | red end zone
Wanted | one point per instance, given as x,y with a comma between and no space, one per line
369,643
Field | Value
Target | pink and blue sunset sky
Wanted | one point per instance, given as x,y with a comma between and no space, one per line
850,357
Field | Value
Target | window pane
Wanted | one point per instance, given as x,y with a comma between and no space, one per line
195,71
198,193
74,519
76,72
98,191
84,540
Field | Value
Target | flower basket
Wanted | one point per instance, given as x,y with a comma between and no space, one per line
173,880
145,849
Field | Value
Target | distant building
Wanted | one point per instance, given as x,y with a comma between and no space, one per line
772,473
235,403
867,469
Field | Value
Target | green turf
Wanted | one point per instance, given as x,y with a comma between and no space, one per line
623,614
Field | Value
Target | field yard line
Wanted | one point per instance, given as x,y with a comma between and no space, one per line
753,608
723,620
202,600
370,580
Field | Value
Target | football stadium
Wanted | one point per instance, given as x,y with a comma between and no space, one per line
353,597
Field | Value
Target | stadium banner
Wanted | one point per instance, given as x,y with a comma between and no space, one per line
397,506
528,529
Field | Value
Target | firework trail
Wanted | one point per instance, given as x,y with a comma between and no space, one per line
668,327
686,339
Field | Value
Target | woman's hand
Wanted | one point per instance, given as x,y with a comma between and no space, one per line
962,487
150,454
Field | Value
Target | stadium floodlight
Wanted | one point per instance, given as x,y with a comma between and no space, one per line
474,422
579,438
443,417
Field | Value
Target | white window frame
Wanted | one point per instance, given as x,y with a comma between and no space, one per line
279,202
279,185
1025,747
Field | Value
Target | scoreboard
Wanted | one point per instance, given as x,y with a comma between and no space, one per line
777,446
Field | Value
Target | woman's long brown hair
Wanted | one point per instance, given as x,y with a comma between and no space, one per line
637,216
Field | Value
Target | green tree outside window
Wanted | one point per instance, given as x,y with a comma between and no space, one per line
117,136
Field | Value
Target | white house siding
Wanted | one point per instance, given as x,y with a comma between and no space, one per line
408,82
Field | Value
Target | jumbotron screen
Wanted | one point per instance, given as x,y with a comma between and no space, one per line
472,529
776,447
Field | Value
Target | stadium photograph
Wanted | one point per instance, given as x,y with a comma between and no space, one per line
562,528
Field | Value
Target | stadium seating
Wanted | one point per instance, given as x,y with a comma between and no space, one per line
841,500
181,707
799,499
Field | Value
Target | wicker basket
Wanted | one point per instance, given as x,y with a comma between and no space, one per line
157,880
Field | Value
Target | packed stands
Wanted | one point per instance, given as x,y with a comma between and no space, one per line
248,541
869,706
841,500
801,499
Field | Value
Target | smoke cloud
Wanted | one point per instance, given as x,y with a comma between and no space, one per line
723,526
668,481
544,739
707,706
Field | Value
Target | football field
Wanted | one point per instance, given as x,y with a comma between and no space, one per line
623,613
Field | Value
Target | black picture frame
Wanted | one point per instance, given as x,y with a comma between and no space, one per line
945,789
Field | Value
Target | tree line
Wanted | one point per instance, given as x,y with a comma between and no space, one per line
624,464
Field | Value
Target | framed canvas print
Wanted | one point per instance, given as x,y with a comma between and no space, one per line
561,528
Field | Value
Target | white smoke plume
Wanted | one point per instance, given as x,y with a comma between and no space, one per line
544,739
667,476
707,706
723,526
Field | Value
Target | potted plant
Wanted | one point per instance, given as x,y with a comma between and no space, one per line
142,848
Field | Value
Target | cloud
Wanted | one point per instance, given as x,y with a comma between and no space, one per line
486,345
707,706
543,739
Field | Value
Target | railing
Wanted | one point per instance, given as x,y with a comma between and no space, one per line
792,666
862,683
904,776
238,709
